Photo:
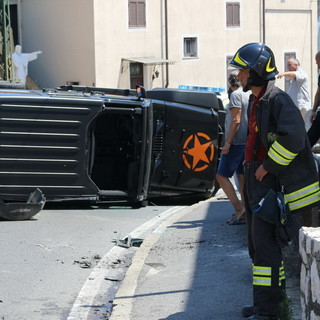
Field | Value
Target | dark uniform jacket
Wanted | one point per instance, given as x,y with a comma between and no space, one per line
282,131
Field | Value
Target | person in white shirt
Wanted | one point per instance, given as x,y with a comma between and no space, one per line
299,85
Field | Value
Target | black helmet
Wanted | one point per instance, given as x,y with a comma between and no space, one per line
258,57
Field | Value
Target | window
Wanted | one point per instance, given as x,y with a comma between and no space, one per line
190,47
137,13
233,14
72,83
287,56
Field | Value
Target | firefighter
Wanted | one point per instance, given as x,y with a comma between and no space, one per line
278,158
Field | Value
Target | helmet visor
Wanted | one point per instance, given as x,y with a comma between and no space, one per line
238,62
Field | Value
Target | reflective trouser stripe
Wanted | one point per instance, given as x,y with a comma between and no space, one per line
280,154
262,276
281,274
303,197
261,281
263,271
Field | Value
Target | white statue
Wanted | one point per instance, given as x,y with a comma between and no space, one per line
20,63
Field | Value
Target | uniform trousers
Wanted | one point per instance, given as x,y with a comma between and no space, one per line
264,250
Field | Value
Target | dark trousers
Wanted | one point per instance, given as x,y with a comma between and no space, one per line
264,250
314,131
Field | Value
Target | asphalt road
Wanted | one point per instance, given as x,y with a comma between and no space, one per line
47,262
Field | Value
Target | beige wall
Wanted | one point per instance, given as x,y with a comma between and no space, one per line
86,40
114,40
289,26
215,40
294,29
63,30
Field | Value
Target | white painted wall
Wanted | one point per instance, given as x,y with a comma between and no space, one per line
86,40
208,22
63,30
114,40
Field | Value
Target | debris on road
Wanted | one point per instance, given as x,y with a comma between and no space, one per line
87,263
128,242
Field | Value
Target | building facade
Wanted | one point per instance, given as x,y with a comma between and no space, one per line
158,43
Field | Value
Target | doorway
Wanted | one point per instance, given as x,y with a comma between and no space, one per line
136,75
287,56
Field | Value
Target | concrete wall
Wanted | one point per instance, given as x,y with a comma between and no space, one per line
216,42
115,41
86,40
63,30
292,27
289,26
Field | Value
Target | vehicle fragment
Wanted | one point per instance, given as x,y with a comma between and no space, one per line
23,210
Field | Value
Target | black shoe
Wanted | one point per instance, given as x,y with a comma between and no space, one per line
260,317
247,311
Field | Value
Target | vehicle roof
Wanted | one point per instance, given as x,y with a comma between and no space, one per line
62,94
190,97
200,99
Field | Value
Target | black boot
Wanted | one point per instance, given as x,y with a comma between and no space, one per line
247,311
261,317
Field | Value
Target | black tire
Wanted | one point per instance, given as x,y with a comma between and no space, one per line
140,204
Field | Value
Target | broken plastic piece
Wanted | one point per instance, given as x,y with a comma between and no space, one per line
23,210
129,242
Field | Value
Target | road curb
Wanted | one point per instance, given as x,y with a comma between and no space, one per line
125,295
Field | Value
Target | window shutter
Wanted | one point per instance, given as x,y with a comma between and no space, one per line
229,14
137,13
132,14
141,9
233,14
236,14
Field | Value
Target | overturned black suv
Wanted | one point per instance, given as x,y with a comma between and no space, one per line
98,145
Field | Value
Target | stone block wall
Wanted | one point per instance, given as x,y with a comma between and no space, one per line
309,239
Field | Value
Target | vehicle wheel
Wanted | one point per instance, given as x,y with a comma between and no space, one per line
140,204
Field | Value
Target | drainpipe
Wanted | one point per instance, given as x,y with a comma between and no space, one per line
263,21
166,40
19,12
